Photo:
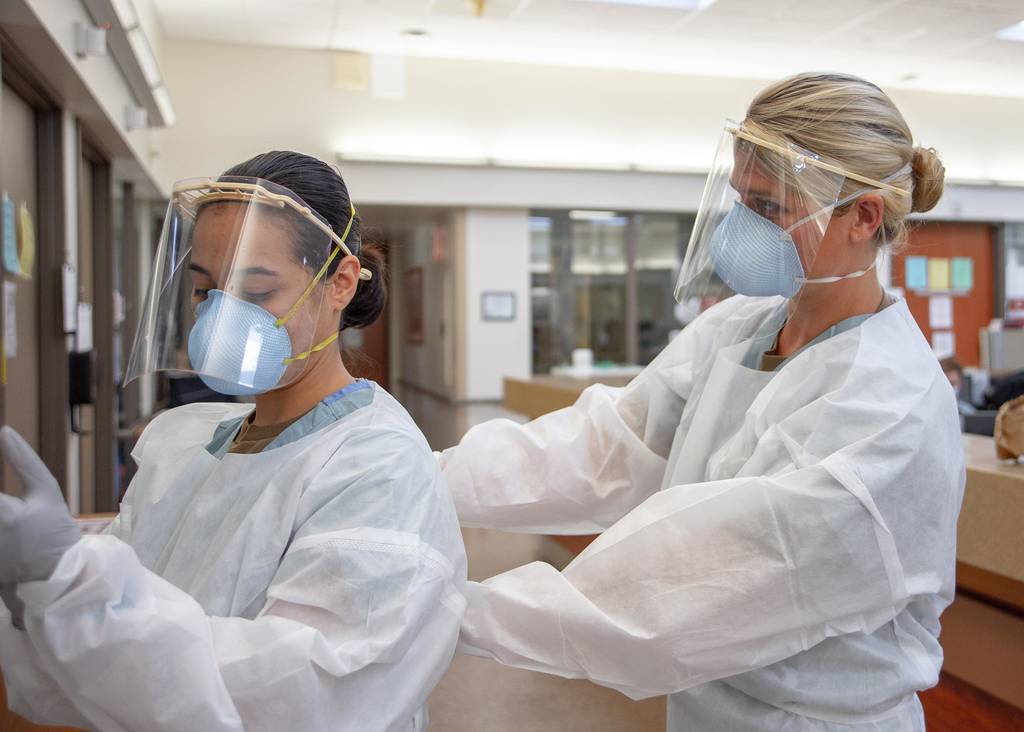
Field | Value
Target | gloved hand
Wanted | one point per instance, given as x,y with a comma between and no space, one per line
34,531
9,596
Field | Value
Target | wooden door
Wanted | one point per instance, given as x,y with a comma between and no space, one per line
18,180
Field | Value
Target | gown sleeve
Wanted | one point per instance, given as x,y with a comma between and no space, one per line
580,469
709,580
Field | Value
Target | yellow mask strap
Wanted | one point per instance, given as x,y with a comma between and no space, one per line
315,349
323,270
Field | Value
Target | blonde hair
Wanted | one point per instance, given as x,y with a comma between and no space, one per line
852,122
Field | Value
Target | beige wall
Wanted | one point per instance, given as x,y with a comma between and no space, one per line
235,101
497,251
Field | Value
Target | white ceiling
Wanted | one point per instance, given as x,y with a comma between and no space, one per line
935,45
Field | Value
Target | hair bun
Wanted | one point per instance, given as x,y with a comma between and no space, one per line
929,179
371,295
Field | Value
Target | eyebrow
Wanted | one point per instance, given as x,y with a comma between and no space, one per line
247,271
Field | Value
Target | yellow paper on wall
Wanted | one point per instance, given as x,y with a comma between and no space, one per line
938,273
27,237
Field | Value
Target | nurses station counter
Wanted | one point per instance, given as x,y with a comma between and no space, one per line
983,630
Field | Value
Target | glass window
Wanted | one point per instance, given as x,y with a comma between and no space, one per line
590,270
660,246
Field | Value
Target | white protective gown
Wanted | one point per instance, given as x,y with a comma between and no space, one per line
777,547
315,586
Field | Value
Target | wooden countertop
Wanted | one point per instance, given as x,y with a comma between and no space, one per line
990,533
539,395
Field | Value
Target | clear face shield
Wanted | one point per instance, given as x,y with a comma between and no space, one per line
237,292
762,220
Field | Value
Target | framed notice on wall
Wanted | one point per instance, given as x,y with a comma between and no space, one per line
498,305
414,305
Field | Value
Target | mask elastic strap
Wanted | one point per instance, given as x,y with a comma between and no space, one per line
315,349
323,270
829,280
842,202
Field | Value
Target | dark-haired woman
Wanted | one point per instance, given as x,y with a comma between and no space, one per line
290,565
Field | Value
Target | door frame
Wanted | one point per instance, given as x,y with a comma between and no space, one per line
18,73
105,430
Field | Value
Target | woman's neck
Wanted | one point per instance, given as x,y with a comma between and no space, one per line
818,307
324,375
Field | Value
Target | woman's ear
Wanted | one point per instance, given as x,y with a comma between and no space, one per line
341,287
868,213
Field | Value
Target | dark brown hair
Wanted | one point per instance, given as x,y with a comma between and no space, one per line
321,188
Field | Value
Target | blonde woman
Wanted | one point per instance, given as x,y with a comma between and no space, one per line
778,491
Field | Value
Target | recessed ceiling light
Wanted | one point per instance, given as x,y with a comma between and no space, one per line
909,77
1014,33
415,32
668,4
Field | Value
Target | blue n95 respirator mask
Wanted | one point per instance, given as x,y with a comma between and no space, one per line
229,248
236,347
757,257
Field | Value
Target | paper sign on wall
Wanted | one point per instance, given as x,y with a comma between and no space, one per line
944,343
938,273
69,296
10,237
10,320
83,336
963,273
940,312
27,239
917,273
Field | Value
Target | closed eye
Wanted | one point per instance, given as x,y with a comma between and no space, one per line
257,297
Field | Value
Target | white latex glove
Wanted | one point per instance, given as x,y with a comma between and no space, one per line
36,530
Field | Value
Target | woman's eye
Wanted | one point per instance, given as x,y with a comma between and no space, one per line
257,297
199,295
768,209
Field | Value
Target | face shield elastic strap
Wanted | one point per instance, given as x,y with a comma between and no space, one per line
839,204
342,246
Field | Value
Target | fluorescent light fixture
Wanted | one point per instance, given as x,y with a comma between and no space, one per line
669,169
163,103
1014,33
560,164
585,215
125,12
515,163
144,55
344,157
667,4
